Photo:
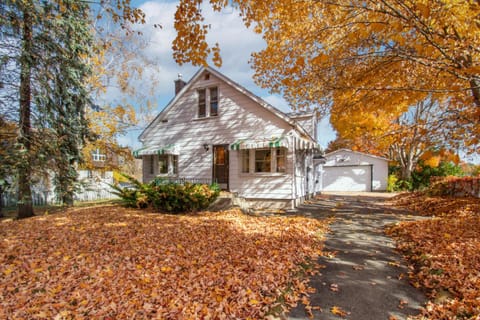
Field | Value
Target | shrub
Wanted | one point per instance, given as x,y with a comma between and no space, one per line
162,195
391,183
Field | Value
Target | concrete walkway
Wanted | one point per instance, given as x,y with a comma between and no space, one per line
362,275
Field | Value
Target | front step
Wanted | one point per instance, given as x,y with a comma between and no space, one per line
223,202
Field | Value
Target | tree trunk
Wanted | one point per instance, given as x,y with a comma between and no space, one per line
25,208
475,86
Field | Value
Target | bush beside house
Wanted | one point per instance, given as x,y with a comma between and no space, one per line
162,195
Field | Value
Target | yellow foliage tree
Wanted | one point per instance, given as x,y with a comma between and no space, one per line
371,56
118,65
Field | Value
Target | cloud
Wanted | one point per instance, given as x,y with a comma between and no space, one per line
236,42
227,28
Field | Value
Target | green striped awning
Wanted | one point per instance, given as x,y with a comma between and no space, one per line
153,150
259,143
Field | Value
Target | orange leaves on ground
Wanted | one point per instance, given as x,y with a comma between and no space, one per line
118,263
338,311
444,253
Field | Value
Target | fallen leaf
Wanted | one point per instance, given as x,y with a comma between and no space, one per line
338,311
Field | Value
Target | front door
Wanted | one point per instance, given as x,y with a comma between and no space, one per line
220,166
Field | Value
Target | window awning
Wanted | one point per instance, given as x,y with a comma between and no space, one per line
304,144
259,143
159,150
283,141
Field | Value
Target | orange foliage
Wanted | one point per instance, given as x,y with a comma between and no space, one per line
114,263
444,253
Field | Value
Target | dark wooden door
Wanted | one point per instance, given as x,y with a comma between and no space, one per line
220,165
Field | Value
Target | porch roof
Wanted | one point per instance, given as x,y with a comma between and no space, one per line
153,150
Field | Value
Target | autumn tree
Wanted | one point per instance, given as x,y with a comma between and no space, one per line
119,65
377,56
45,48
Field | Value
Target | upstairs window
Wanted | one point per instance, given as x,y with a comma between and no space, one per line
202,103
97,156
213,101
207,102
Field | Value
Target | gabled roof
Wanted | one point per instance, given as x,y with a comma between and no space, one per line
235,85
356,152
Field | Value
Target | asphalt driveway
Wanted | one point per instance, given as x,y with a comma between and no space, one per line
362,275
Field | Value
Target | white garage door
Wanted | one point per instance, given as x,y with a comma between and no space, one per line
347,178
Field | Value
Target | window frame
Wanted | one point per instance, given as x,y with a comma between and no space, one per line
202,105
162,164
98,157
250,156
204,112
245,161
280,154
171,165
267,162
213,101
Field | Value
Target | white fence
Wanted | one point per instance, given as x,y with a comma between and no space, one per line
9,199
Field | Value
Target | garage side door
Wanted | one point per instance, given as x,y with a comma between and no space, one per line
348,178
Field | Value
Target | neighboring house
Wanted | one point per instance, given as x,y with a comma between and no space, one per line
347,170
98,177
216,130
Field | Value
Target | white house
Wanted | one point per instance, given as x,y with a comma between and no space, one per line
347,170
216,130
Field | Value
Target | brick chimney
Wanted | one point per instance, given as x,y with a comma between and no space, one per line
179,84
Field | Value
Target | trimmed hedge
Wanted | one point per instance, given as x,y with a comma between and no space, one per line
162,195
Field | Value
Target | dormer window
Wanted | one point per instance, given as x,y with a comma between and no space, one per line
208,97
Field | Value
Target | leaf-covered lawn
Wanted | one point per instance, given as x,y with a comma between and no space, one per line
444,253
116,263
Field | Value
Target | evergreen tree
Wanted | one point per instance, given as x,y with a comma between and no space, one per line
55,42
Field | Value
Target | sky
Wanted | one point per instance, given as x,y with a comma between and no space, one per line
236,44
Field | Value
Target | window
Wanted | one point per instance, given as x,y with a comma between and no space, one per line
97,156
163,164
202,112
245,154
281,160
207,97
266,160
263,160
167,164
213,102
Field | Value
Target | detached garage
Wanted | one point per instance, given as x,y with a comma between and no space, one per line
347,170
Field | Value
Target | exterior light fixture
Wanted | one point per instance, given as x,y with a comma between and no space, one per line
205,146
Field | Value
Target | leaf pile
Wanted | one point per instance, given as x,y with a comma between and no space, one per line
117,263
444,253
425,205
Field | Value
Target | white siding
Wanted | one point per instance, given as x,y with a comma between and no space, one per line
308,122
355,172
239,118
